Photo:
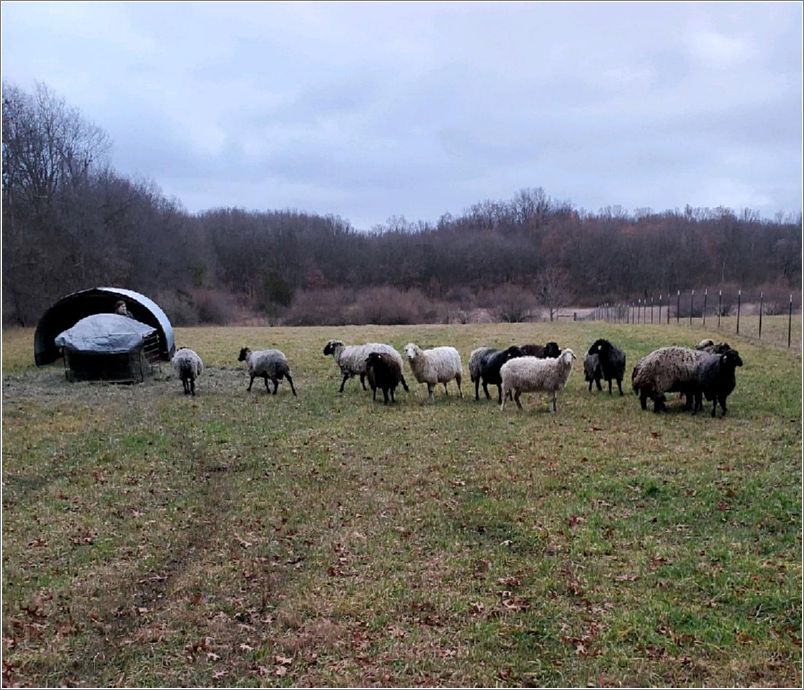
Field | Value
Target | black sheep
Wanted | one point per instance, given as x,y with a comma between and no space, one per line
383,372
612,362
716,377
591,371
548,351
490,369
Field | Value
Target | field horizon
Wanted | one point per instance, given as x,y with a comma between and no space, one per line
245,539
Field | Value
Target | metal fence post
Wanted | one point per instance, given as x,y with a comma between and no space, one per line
706,294
761,300
790,321
692,299
739,299
719,306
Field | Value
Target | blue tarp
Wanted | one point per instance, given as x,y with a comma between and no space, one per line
105,334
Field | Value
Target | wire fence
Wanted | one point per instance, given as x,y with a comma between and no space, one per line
743,312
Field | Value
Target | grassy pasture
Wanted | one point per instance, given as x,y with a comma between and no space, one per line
243,539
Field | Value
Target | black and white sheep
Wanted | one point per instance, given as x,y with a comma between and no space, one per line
188,367
352,359
270,364
534,375
612,362
550,350
667,370
435,365
383,372
484,366
591,371
716,377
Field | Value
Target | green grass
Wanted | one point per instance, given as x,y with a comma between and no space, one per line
244,539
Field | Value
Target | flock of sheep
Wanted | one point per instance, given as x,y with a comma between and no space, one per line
708,370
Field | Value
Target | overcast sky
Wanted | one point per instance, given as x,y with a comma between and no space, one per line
417,109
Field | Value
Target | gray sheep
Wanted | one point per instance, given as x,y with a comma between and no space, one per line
591,371
270,364
188,367
667,370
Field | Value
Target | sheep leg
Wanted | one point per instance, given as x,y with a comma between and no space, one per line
723,405
391,391
404,385
192,387
276,384
363,381
267,387
609,386
552,403
250,383
499,393
502,402
620,385
385,396
658,403
516,400
643,400
477,389
458,381
290,381
446,392
590,385
343,383
597,383
430,387
486,390
374,393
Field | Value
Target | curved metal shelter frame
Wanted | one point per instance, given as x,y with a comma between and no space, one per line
70,309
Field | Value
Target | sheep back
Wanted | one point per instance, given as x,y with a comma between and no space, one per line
668,369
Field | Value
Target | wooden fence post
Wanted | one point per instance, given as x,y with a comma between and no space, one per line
719,306
739,299
706,294
678,306
761,300
790,321
692,299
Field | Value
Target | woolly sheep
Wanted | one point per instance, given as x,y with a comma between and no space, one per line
533,375
270,364
612,362
436,365
352,359
383,372
667,370
592,371
550,350
188,367
715,376
485,363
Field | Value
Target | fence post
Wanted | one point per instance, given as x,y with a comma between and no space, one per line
678,306
739,299
719,306
706,294
761,299
651,311
660,308
692,298
668,309
790,321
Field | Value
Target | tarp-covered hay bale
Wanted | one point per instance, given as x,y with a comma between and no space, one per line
109,347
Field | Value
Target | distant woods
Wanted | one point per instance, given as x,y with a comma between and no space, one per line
71,222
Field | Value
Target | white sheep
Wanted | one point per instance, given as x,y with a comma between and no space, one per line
188,367
534,375
270,364
436,365
352,359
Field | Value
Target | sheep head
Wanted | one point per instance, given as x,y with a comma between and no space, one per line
512,352
244,353
731,359
567,356
412,350
329,348
551,350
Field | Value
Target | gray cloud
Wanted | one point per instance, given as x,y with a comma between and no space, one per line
371,110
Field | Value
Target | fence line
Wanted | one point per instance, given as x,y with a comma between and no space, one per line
636,312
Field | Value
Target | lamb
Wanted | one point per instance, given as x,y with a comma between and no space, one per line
485,363
551,350
188,367
270,364
592,371
612,362
667,370
352,359
715,376
533,375
436,365
383,372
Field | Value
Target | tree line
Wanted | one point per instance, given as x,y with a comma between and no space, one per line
71,222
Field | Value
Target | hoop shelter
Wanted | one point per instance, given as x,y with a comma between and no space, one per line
101,300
